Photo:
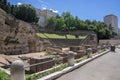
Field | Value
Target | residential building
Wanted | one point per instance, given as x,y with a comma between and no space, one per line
44,15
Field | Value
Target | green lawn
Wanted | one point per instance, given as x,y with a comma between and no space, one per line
46,35
41,35
70,36
57,36
82,37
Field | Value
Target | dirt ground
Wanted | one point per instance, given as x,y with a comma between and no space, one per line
4,61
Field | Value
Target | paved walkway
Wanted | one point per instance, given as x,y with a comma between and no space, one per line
106,67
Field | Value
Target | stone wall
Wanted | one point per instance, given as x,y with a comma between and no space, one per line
109,41
65,42
90,40
17,36
42,66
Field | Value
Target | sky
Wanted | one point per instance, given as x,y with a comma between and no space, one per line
84,9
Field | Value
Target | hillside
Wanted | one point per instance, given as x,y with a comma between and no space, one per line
17,36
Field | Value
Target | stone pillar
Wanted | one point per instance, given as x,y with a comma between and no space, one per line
89,52
98,48
71,55
17,70
104,47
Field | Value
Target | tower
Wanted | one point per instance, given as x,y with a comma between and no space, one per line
113,21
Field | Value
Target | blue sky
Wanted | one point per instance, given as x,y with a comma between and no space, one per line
84,9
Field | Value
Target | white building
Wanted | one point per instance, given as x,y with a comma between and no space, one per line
113,21
44,15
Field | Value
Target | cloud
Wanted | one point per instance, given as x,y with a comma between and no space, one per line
19,3
43,2
43,6
55,11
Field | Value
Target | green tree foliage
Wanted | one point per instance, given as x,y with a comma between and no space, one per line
13,9
27,13
60,24
67,22
68,19
5,5
51,23
24,12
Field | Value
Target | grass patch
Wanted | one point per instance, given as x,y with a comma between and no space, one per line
41,35
58,36
4,76
71,36
81,59
55,36
35,77
82,37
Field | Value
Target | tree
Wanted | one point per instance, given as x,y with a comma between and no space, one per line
68,22
5,5
27,13
51,23
1,3
13,9
88,22
8,8
60,24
